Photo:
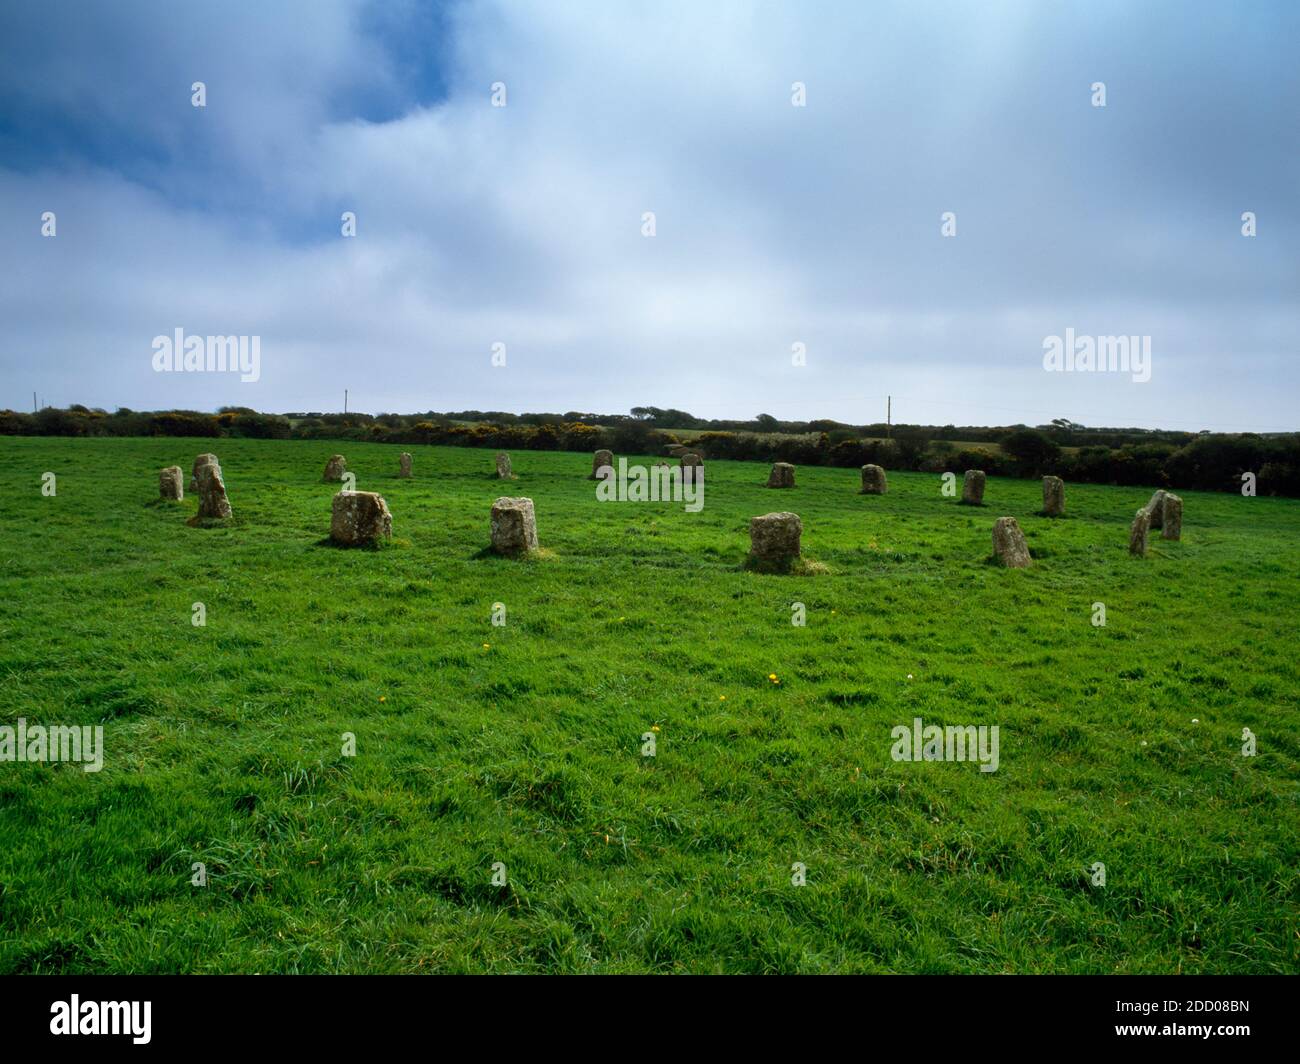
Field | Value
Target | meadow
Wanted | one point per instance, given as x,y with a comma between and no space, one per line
521,744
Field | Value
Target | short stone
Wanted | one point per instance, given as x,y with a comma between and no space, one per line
601,460
503,467
1009,544
1172,525
514,526
404,465
1137,534
1053,496
335,468
1156,507
874,481
782,476
360,517
199,462
972,487
692,466
775,537
212,493
170,483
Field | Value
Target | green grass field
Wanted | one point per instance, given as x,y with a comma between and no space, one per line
522,744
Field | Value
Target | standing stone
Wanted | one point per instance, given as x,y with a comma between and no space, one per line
404,465
1009,544
690,464
212,492
873,481
676,450
601,460
335,468
360,517
1053,496
1173,517
1137,535
199,462
972,488
1156,508
503,467
169,483
775,537
514,526
782,475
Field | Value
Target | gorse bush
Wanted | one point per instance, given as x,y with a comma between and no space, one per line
1127,457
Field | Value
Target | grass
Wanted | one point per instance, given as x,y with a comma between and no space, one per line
521,744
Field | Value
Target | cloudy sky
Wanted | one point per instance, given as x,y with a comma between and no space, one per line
774,224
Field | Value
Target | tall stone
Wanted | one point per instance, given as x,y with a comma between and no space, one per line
972,488
1053,496
874,481
1009,544
212,492
601,460
335,468
503,467
514,526
360,517
1156,508
199,462
782,475
1137,534
775,537
169,484
1172,523
404,465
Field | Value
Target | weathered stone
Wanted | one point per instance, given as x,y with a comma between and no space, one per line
692,466
1137,534
873,481
1009,544
335,468
1053,496
212,492
404,465
601,460
503,467
200,461
360,517
676,450
1156,507
1172,523
972,488
775,537
514,526
169,483
782,475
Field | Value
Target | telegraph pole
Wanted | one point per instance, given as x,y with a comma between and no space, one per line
889,417
345,400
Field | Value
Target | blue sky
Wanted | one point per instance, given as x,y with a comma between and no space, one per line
774,224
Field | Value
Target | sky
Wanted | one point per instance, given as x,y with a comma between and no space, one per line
798,263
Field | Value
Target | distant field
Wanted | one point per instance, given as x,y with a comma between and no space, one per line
522,744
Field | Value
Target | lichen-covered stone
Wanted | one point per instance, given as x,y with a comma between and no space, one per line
404,465
1137,534
199,462
1053,496
874,481
503,467
1156,508
601,460
360,517
335,468
170,482
1009,544
972,488
782,475
514,526
1172,523
212,492
775,537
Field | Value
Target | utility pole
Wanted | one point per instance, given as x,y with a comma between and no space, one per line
35,408
345,400
889,417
